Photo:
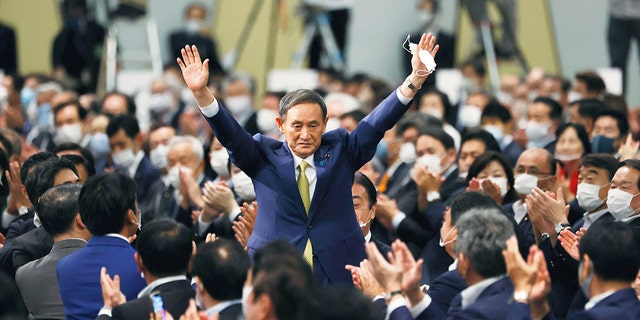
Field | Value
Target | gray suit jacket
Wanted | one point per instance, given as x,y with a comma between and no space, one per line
38,283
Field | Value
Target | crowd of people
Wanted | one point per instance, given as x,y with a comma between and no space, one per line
197,198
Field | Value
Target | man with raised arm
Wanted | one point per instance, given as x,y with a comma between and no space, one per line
303,185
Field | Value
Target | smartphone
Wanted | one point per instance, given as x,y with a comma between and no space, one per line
158,305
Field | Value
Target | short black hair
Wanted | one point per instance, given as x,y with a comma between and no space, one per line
283,253
601,161
495,109
79,160
592,81
356,115
444,99
105,200
590,108
619,117
43,176
490,143
477,65
555,108
222,267
440,135
581,132
125,122
411,120
369,187
337,303
33,161
82,112
6,145
614,250
165,247
466,201
58,208
70,146
482,161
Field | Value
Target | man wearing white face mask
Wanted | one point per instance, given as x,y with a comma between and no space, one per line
164,104
160,197
125,141
535,168
544,115
623,199
266,116
239,92
70,126
220,271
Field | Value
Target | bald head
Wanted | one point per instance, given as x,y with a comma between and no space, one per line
540,163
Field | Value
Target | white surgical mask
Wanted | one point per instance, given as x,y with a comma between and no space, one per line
160,102
436,113
443,241
407,152
158,156
99,145
537,131
68,133
587,196
246,292
502,184
174,175
568,157
463,175
496,132
431,161
243,186
619,203
124,158
332,124
238,105
525,183
425,17
266,119
219,161
470,116
193,25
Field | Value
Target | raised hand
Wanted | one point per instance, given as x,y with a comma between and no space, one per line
629,149
428,43
196,74
388,274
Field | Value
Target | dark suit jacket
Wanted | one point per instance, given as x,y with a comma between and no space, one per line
36,275
334,233
232,312
206,48
403,189
30,246
444,288
79,275
382,247
492,303
452,186
512,152
8,53
146,175
175,299
525,230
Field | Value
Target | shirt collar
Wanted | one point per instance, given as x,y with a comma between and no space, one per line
392,168
590,218
297,160
454,265
117,235
136,163
367,238
519,210
629,219
153,285
471,294
221,306
595,299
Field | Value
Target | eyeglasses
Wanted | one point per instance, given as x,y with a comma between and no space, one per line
532,171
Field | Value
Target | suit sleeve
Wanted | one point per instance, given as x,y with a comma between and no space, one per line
370,130
243,150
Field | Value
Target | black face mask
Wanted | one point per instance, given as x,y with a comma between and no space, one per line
602,144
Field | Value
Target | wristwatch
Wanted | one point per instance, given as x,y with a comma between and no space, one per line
521,296
561,226
411,85
389,295
433,196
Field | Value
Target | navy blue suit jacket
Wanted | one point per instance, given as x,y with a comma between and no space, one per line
444,288
331,223
79,275
146,175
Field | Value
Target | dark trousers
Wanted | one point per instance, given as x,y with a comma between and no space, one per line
619,36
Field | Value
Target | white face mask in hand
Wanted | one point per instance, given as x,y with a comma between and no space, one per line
425,57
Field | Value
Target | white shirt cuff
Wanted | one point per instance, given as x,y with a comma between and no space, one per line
106,311
395,222
203,226
233,214
402,98
395,304
421,306
210,110
7,219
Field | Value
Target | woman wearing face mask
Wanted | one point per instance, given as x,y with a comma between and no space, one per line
436,103
491,173
571,146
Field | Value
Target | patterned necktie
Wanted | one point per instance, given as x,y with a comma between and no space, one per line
303,188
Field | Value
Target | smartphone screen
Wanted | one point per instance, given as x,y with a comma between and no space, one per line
158,306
